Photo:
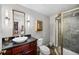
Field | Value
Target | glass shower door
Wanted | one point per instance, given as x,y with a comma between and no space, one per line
71,32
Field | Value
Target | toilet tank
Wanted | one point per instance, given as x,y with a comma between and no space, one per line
40,42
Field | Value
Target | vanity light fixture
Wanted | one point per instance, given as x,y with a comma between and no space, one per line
28,18
28,22
6,17
7,14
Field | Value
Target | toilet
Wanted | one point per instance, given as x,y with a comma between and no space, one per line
44,50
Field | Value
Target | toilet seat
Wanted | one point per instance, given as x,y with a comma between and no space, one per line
44,50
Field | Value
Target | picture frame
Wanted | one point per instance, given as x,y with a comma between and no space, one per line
39,25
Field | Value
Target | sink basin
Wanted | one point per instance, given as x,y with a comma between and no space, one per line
19,39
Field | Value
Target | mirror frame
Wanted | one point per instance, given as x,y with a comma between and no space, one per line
13,21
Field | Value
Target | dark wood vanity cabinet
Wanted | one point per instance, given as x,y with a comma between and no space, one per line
24,49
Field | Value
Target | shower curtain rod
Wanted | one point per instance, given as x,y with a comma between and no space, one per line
71,10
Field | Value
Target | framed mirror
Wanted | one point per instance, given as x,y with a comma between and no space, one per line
18,22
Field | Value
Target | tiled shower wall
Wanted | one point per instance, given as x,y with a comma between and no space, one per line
71,33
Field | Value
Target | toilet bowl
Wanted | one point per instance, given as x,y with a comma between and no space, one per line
44,50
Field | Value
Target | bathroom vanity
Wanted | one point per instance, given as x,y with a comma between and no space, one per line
28,47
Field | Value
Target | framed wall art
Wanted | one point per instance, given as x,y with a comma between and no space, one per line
38,25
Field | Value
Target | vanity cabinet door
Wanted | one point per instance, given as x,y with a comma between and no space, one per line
25,47
16,50
20,49
33,47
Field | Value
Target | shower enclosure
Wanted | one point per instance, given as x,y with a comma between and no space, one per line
67,32
71,31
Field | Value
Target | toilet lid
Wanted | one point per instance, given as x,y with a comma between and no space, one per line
45,50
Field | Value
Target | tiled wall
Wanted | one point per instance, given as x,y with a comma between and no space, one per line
71,33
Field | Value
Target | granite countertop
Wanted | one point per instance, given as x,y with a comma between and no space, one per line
11,44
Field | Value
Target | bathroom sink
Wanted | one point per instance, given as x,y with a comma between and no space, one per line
19,39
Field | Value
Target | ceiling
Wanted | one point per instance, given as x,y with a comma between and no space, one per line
49,9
